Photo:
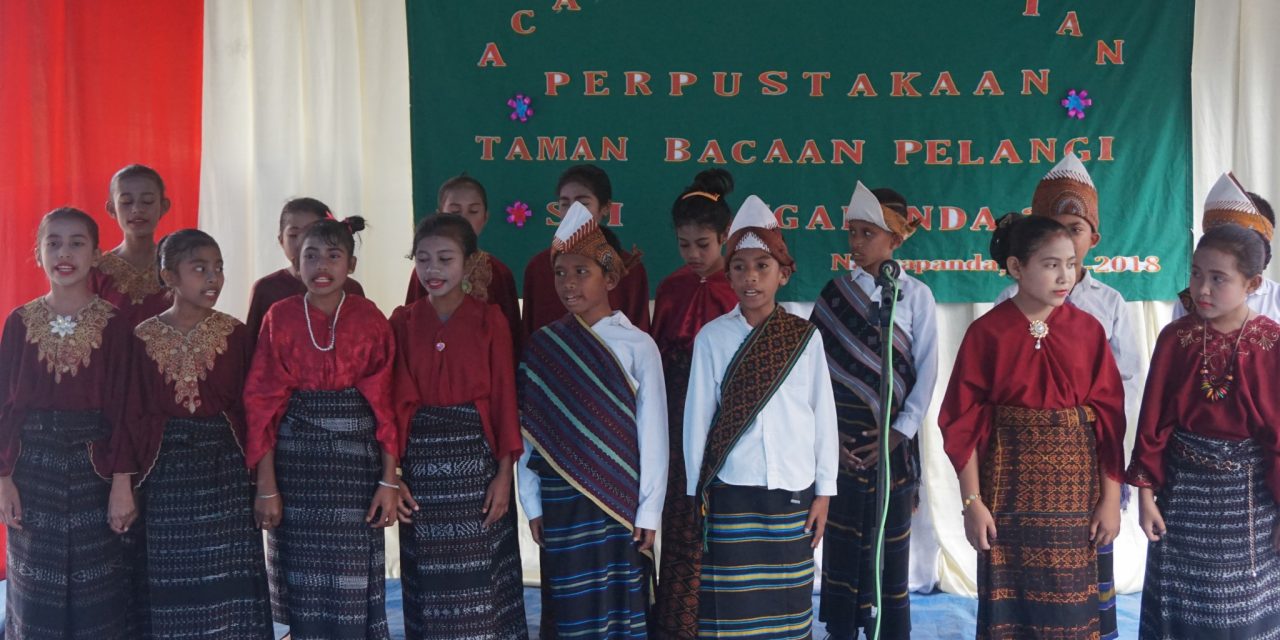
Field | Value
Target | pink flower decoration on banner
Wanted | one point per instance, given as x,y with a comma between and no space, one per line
517,213
521,108
1076,102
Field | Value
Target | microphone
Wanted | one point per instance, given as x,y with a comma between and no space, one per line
889,272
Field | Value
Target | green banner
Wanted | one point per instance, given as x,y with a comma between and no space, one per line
957,105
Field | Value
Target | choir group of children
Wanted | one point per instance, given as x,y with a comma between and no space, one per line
147,440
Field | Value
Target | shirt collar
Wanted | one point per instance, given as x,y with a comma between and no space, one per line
617,318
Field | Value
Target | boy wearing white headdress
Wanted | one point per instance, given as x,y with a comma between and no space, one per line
845,314
760,446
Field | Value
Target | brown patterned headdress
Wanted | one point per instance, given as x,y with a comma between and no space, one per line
755,227
1229,204
580,234
1067,189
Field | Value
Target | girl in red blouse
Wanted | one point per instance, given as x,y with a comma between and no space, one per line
1207,456
63,369
183,443
694,295
589,186
295,217
488,279
126,276
323,436
455,396
1033,422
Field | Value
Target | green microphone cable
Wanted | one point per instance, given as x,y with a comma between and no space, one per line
886,474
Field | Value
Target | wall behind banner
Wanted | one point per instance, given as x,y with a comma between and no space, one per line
956,106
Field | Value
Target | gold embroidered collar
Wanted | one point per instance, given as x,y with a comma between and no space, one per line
135,283
186,359
66,343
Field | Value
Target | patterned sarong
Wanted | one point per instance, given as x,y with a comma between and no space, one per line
206,570
757,571
1040,481
1214,575
853,344
325,562
675,608
461,582
67,576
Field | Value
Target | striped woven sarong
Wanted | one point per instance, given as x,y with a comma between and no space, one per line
853,345
325,562
461,582
206,570
757,571
1214,575
599,582
1040,480
67,577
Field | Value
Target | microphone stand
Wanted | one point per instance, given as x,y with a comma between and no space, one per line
889,297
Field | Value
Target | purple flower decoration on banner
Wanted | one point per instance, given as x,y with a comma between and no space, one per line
1076,102
517,213
521,108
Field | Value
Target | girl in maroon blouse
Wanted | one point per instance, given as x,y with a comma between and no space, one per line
63,365
183,442
488,279
1033,422
694,295
1207,456
455,394
126,276
323,436
295,217
588,185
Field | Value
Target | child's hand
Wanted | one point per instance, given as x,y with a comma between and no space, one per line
869,454
383,506
1149,515
121,508
10,504
979,526
535,531
644,538
406,506
817,521
497,499
268,512
1105,525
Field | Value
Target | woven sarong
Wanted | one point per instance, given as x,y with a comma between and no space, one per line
675,608
1040,481
599,582
326,563
67,576
461,582
757,571
1214,575
206,571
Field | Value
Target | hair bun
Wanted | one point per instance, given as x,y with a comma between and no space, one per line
355,223
717,181
999,247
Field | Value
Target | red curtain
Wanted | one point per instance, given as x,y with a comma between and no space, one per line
86,87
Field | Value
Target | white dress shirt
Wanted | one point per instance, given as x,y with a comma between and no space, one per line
639,357
917,316
1265,301
791,444
1107,306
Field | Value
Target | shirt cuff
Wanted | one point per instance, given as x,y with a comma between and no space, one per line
649,519
825,488
1138,477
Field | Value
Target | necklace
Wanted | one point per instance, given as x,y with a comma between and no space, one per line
1039,330
1215,390
333,325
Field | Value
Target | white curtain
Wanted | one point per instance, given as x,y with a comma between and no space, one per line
311,98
